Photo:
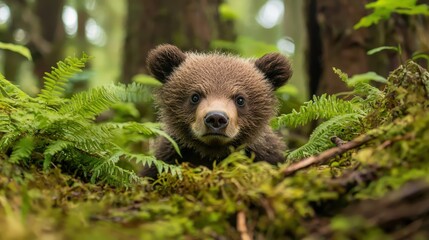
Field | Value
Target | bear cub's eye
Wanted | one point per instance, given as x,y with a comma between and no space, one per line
239,101
195,98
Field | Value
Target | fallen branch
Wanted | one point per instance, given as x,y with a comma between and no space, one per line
242,227
328,154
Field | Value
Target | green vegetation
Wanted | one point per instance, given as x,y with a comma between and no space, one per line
50,130
62,174
384,8
344,118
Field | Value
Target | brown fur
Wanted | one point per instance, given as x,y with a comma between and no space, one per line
218,79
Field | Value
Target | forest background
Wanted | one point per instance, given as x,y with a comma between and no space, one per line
251,199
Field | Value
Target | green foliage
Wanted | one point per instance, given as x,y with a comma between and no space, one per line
323,107
383,48
22,149
56,80
343,126
343,118
421,55
384,8
50,130
146,80
16,48
226,12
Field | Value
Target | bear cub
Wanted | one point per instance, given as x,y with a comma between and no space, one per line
209,102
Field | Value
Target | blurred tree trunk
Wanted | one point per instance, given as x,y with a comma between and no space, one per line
49,35
189,24
334,43
13,60
44,34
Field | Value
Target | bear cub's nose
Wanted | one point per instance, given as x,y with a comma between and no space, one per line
216,120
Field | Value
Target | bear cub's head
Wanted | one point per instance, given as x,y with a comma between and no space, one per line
210,101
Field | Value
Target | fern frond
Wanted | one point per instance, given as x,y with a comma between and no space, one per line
320,139
90,103
134,92
53,149
325,107
8,140
371,94
85,136
22,150
5,123
9,90
56,80
107,170
359,78
152,161
148,129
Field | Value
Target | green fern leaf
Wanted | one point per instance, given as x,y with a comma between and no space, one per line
147,129
5,124
324,107
56,80
10,91
17,48
8,139
370,93
155,128
107,170
320,139
53,149
90,103
135,92
151,161
22,150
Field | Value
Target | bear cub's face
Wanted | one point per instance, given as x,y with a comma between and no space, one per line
216,99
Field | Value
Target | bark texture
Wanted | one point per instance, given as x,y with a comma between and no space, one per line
334,43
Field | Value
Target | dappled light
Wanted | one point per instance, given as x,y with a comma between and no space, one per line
94,33
69,17
4,13
271,13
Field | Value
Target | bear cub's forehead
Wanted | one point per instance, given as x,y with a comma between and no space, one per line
219,69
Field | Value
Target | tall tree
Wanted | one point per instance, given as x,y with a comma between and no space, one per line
334,43
189,24
49,29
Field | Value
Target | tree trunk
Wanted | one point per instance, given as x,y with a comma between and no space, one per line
50,32
334,43
189,24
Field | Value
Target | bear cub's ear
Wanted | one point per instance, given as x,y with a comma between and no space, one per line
162,61
275,67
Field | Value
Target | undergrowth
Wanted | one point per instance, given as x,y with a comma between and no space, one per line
50,130
342,118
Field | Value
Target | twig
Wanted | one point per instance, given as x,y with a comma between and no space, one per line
242,227
326,155
337,141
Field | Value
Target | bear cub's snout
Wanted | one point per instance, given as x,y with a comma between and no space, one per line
216,121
